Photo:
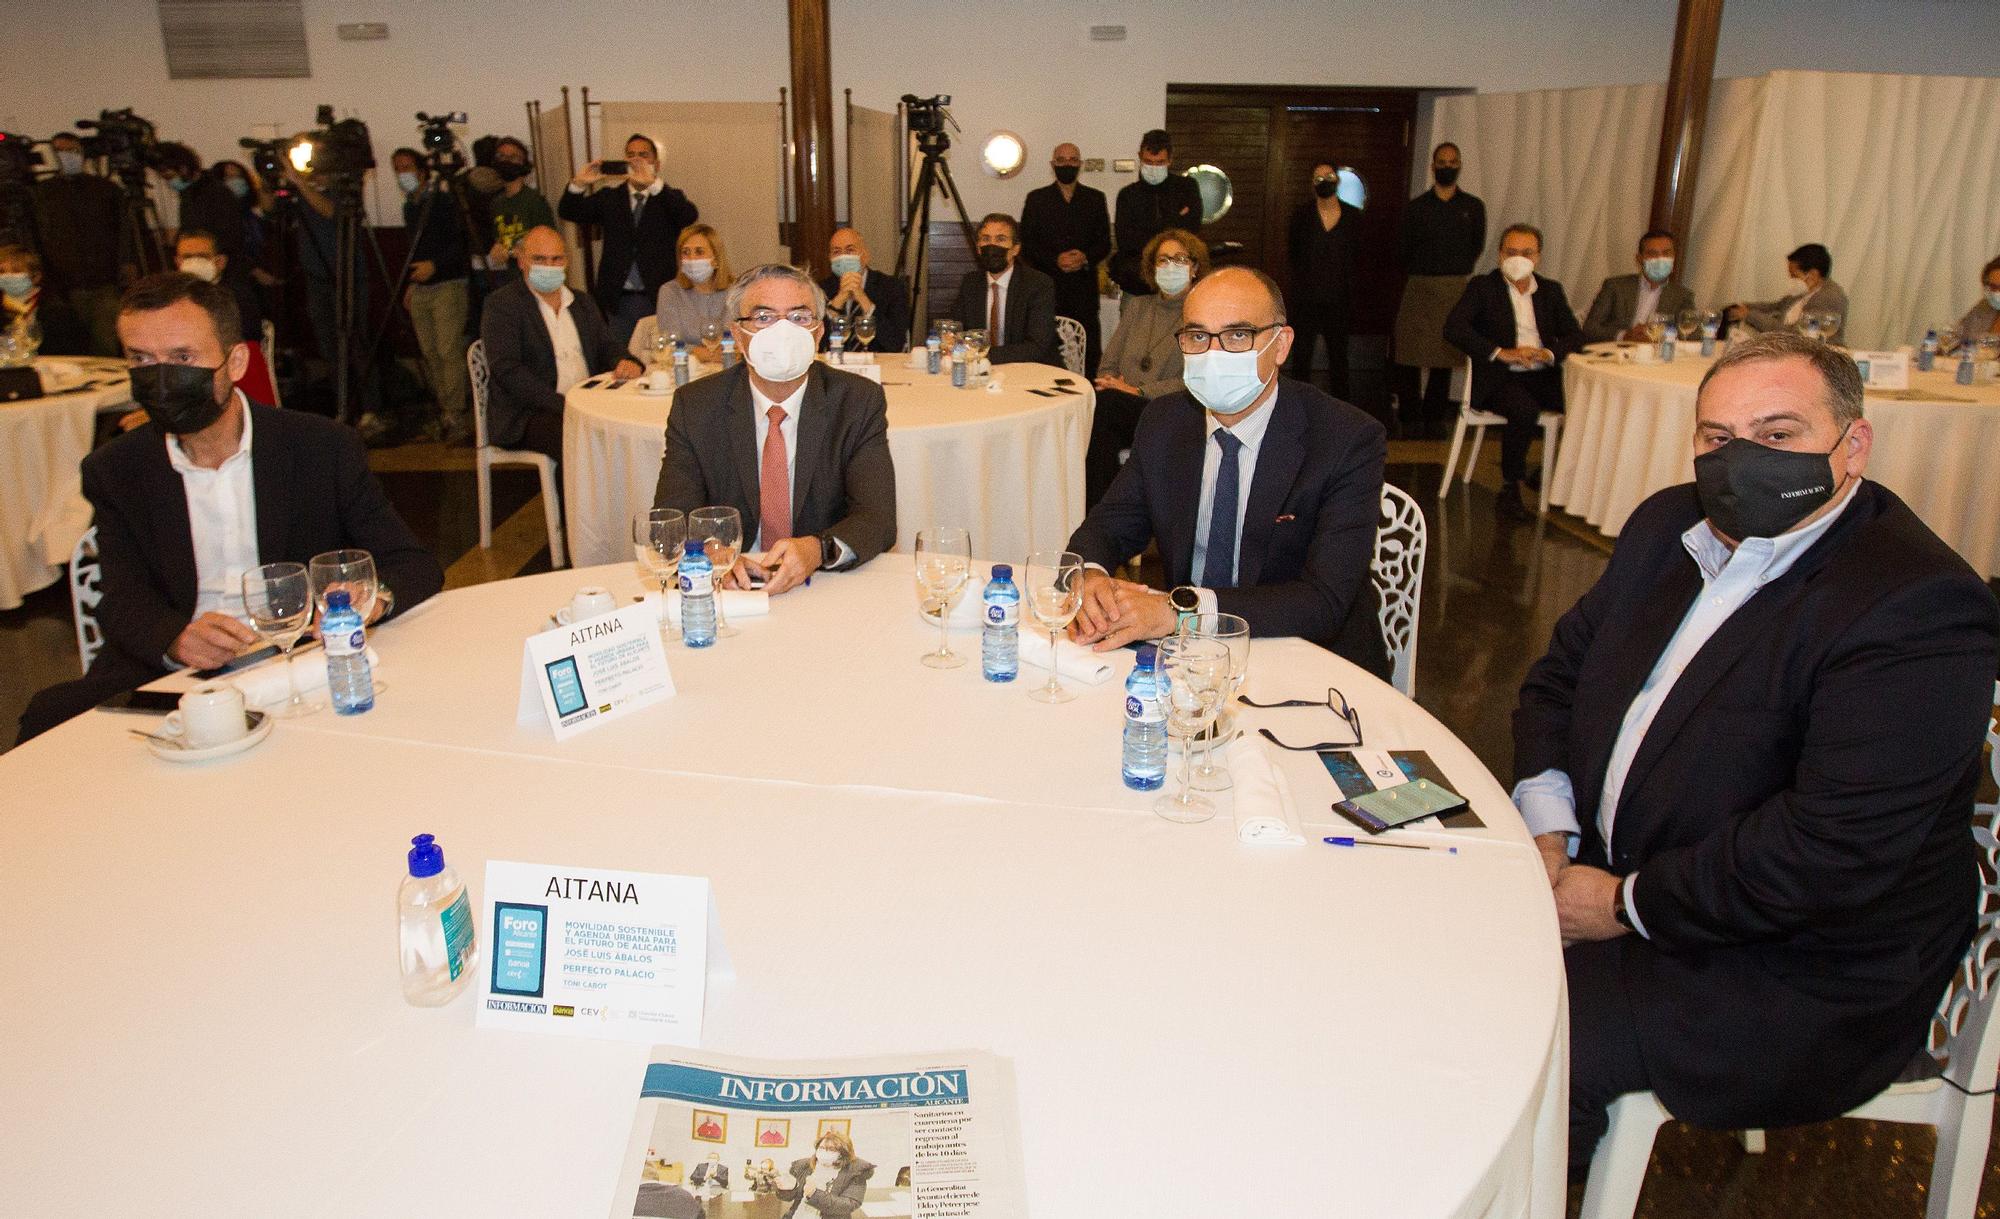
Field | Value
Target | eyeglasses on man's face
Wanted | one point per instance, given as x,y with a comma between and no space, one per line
757,319
1194,340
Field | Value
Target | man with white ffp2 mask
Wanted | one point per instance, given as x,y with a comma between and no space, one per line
1280,528
799,448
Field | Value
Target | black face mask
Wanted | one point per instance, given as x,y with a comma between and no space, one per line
1749,490
1446,175
509,171
179,398
992,259
1066,174
1324,187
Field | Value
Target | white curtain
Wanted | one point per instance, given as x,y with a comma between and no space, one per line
1899,176
723,155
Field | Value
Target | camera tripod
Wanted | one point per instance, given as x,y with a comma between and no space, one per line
935,174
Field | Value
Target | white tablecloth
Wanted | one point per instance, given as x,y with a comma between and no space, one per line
1008,467
43,442
1630,432
207,956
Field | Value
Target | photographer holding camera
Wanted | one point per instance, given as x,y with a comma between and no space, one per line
437,298
642,218
81,216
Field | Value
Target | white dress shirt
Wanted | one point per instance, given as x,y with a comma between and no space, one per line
789,429
1005,280
1251,432
222,519
1729,580
1649,300
571,367
1527,333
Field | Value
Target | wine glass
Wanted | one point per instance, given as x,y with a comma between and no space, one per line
1829,325
27,337
864,330
720,532
977,345
1687,321
1656,328
948,336
944,564
353,570
1233,633
663,349
658,538
279,599
1193,679
1052,581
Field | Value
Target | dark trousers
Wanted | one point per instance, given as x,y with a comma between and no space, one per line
112,673
1522,397
1111,430
1076,297
1604,1058
544,435
1428,402
1310,322
623,318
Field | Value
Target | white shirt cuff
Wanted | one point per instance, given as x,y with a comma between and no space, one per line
574,189
1548,804
842,555
1204,601
1632,909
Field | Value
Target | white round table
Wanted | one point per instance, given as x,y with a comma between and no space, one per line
903,859
43,442
1007,466
1630,432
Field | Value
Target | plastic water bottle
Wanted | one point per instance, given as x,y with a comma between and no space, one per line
1708,332
1145,725
1965,366
836,343
728,349
1927,354
1667,346
1000,638
680,361
436,927
347,677
697,596
959,357
933,354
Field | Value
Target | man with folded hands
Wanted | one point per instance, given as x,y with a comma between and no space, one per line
211,488
1262,492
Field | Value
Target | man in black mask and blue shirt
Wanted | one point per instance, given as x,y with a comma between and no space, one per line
1749,759
212,487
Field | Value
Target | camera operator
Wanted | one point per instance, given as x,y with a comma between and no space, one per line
318,240
642,218
437,297
81,218
518,207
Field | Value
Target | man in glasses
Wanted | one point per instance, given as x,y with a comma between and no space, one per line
799,448
1262,492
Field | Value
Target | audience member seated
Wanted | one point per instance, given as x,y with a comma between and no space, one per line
1813,291
711,1171
641,219
798,447
1750,758
1143,361
1280,528
1012,302
1160,199
1626,303
213,487
1983,318
24,305
196,254
692,300
541,339
857,290
1517,327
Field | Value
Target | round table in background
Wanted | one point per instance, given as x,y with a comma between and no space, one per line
43,442
1630,432
1007,466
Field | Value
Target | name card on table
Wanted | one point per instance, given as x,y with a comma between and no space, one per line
597,953
589,672
860,363
1883,369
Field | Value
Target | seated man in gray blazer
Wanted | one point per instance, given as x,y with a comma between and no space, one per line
540,340
1627,302
799,448
1023,298
1811,269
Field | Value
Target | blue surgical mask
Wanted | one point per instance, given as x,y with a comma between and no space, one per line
237,187
1172,278
17,284
69,162
846,264
1223,381
1657,269
547,279
180,184
408,182
1993,299
1153,174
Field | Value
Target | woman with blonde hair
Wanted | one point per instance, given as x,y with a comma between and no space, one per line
830,1185
692,299
1143,359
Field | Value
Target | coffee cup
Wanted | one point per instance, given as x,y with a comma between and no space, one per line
589,602
210,715
659,381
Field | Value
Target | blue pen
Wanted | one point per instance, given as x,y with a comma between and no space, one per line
1344,841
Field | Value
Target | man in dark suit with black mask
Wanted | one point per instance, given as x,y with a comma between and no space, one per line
1750,758
1012,302
641,219
1065,233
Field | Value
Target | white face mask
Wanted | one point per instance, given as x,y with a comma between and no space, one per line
202,269
782,351
697,270
1224,381
1153,174
1799,286
1517,268
1172,278
827,1156
69,162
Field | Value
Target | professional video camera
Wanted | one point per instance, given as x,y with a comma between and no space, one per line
128,144
337,154
267,161
440,144
17,180
927,117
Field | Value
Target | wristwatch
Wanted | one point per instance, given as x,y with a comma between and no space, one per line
1618,910
1186,603
829,551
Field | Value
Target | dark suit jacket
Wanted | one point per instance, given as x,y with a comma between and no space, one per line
1482,322
703,1175
1309,532
892,309
314,492
521,359
843,481
1799,811
1031,315
1050,225
654,243
842,1196
1611,313
1144,210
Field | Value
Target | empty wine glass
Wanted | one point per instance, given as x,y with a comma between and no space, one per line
864,330
977,344
658,537
279,599
1193,681
1687,321
720,532
1233,633
1656,328
944,563
1829,325
711,334
949,333
1052,581
353,570
663,349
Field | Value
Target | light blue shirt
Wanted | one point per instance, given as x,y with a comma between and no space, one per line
1728,580
1250,432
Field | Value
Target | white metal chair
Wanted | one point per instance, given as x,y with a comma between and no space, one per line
84,594
1398,574
488,456
1964,1043
1070,337
1478,422
269,345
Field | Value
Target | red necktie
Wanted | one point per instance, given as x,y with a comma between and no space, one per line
993,315
774,495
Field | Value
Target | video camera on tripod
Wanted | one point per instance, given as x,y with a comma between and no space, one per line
17,180
129,145
442,152
337,154
927,118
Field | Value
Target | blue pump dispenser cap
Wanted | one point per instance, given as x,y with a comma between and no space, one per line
426,856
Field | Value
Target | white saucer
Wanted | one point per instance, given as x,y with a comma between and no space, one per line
260,727
648,392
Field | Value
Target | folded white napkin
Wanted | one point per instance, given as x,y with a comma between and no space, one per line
1263,800
736,603
1090,668
968,612
267,684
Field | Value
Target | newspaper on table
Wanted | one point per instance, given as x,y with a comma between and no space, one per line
931,1136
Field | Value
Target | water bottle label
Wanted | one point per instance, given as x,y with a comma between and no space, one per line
457,920
1003,613
697,583
1143,710
346,643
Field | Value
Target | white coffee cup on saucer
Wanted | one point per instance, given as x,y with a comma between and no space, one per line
210,715
589,602
659,381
